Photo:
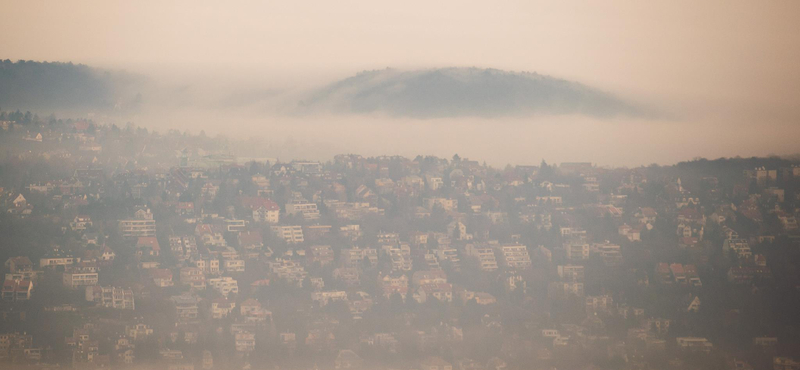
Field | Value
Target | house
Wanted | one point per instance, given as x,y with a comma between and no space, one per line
141,225
323,298
207,264
350,276
393,284
428,277
186,307
211,235
15,290
57,258
738,246
434,182
233,264
124,350
292,234
161,278
193,277
633,234
244,341
20,206
221,308
577,251
514,256
446,204
646,215
400,257
288,270
19,264
441,291
138,331
480,298
694,306
458,231
183,247
147,246
224,285
571,272
322,254
110,297
251,241
599,304
677,272
80,223
252,311
77,277
307,210
485,256
746,274
355,257
107,255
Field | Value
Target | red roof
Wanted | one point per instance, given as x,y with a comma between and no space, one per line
185,205
249,238
258,203
160,274
17,285
81,125
148,241
262,282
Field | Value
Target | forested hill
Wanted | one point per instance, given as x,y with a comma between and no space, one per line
30,85
459,92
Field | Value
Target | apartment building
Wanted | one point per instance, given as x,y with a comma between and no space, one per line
111,297
485,256
355,257
142,224
308,210
76,278
224,285
514,256
291,234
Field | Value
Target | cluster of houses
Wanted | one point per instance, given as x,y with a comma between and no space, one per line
198,261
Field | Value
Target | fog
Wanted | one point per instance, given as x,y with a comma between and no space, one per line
722,75
435,185
616,141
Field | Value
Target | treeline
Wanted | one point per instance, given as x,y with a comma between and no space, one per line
34,85
730,169
29,119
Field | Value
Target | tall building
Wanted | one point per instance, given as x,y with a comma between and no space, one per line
142,224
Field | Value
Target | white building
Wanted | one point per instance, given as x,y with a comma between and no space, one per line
224,285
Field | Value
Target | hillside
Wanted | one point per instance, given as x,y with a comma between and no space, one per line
456,92
29,85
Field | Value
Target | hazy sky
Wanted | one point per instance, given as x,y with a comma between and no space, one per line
719,63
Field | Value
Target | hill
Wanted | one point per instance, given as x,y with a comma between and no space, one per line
457,92
30,85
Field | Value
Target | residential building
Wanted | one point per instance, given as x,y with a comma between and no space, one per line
142,224
111,297
290,234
